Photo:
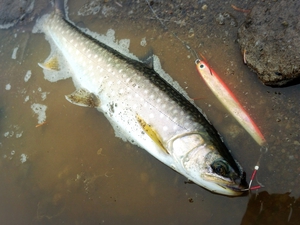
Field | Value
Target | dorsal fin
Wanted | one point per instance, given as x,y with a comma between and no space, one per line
148,59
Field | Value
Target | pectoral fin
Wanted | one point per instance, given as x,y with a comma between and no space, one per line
151,133
84,98
50,64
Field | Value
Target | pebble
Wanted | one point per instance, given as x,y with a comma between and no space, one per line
296,143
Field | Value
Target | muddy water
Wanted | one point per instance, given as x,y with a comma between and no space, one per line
73,170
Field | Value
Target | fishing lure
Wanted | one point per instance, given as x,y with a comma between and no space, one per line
227,98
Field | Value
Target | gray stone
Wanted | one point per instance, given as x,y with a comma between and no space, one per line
269,40
20,12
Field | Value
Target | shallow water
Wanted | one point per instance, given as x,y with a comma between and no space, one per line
73,170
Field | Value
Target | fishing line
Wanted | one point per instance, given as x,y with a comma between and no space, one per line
263,150
191,50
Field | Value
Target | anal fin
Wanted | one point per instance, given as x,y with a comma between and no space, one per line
151,133
82,97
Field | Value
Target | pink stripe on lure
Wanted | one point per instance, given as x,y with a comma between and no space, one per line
226,97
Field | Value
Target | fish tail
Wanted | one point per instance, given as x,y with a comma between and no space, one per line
59,6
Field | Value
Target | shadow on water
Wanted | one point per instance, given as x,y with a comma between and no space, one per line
73,170
265,208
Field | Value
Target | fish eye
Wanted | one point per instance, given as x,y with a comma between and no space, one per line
201,66
220,167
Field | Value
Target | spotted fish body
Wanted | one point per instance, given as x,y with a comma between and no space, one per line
143,108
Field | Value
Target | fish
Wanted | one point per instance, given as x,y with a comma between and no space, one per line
142,107
231,103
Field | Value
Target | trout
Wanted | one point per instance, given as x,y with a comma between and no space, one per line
142,107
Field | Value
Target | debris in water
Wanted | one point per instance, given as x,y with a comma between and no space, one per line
99,152
44,95
8,134
23,158
18,135
143,42
26,99
40,110
14,54
41,124
27,76
7,87
290,214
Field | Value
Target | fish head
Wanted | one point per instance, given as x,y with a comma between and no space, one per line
205,166
223,177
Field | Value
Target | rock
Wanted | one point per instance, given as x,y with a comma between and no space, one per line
14,12
270,43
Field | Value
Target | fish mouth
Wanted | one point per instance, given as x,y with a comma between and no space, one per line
238,185
233,189
237,188
234,186
226,186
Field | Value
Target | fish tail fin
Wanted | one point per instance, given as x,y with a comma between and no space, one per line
60,6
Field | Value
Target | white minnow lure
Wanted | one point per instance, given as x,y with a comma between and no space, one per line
226,97
142,107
